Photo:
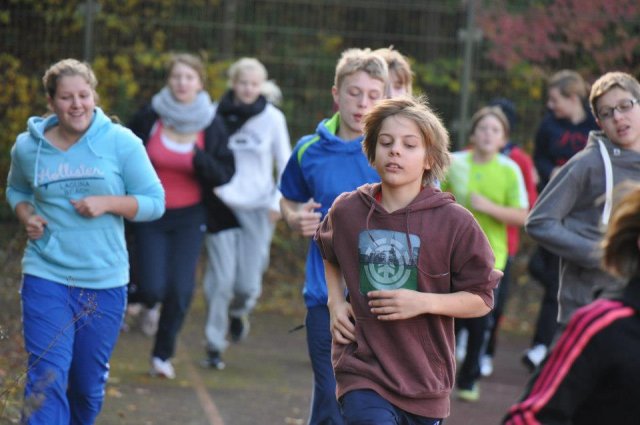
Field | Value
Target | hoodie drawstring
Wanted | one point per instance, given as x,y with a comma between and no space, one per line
407,233
608,181
37,163
369,214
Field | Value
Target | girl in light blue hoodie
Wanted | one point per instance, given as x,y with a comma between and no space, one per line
74,175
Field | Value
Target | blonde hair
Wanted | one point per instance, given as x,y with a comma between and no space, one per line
609,81
272,92
621,254
494,111
397,63
243,65
434,135
68,68
354,60
192,61
568,83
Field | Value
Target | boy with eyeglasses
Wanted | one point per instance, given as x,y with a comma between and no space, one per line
573,209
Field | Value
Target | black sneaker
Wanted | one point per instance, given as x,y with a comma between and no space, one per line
213,360
238,328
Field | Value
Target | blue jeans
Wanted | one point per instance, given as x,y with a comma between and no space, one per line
69,336
366,407
167,252
325,409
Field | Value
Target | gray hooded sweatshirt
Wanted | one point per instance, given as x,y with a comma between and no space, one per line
571,214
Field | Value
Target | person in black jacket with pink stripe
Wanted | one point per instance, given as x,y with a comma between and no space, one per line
593,373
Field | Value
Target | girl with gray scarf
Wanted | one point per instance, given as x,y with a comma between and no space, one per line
187,146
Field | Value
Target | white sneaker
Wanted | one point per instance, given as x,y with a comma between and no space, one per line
534,356
162,368
149,320
461,344
134,309
486,365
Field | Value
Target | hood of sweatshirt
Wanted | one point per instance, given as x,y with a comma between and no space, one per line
612,157
328,129
618,155
37,126
426,199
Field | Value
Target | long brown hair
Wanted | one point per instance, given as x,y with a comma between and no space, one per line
621,254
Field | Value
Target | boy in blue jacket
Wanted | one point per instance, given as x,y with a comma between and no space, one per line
322,166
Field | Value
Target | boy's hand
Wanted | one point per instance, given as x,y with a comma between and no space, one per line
396,304
342,327
274,216
305,220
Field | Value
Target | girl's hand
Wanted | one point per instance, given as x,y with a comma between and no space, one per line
34,226
396,304
91,206
480,203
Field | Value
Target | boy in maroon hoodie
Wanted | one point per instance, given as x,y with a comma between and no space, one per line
411,260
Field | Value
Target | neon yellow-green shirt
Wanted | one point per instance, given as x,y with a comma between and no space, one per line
499,180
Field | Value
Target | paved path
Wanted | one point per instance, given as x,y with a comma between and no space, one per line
499,391
267,381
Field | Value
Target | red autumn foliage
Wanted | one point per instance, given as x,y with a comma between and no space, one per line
593,36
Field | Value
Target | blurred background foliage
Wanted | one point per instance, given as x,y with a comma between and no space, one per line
515,45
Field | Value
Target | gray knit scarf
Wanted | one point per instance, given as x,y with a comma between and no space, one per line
184,118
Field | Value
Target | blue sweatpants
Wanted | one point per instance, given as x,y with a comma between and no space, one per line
325,409
366,407
69,334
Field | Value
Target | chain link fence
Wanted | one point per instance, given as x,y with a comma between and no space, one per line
299,41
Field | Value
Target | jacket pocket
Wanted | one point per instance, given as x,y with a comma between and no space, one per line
83,249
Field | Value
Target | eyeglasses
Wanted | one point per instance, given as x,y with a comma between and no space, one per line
622,107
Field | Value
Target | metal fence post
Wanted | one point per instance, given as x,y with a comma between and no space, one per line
228,29
90,8
469,36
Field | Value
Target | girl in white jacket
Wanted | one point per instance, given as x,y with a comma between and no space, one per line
237,257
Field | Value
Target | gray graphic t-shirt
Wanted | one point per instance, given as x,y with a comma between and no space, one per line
386,262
